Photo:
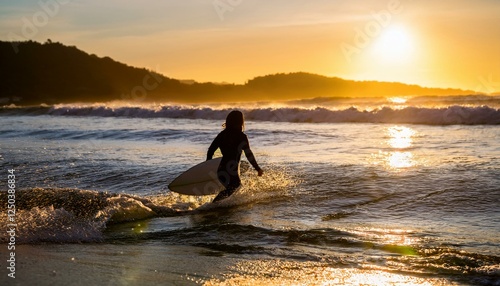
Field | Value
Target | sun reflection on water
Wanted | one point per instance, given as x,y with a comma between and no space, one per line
399,142
279,272
398,160
400,100
400,137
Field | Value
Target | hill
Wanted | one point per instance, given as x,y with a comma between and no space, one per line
50,73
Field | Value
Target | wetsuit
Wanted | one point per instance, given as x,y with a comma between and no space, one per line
231,143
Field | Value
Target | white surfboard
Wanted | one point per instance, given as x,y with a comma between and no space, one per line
200,180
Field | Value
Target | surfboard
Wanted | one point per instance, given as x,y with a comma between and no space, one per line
200,180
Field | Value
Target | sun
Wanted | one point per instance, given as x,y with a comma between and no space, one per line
394,45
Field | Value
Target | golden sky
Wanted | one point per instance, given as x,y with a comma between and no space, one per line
448,43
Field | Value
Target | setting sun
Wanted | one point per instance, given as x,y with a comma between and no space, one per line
395,45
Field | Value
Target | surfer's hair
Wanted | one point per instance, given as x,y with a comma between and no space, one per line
235,121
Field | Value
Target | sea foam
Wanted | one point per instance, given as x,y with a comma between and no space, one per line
73,215
450,115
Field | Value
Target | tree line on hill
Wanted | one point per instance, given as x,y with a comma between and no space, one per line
50,73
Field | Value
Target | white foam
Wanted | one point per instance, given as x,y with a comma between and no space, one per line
79,215
277,182
125,208
415,115
49,224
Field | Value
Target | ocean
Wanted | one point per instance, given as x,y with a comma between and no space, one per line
365,191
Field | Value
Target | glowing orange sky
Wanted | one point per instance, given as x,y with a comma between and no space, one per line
451,43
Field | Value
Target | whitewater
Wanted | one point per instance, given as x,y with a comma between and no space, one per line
429,110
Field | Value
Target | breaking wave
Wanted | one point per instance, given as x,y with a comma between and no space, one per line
451,115
65,215
73,215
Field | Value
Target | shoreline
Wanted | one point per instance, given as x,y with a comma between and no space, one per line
156,263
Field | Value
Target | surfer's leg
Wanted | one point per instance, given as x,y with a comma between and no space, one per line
230,189
223,195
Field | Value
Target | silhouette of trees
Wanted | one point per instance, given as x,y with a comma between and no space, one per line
54,73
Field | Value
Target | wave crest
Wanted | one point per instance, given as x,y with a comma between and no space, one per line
452,115
72,215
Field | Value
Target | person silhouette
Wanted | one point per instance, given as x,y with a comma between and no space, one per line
232,141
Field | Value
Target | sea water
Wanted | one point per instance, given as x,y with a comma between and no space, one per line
355,192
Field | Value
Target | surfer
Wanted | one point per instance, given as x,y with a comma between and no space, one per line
232,141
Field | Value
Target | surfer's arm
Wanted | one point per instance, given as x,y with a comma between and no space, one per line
213,147
250,156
